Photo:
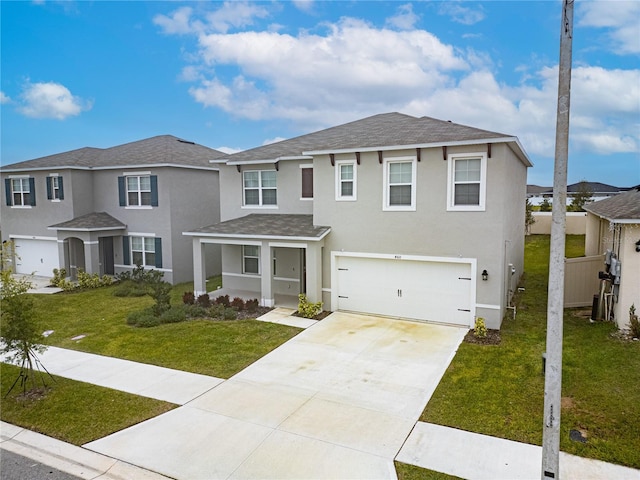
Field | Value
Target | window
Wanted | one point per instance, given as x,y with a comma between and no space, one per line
400,188
143,251
138,190
20,192
55,190
346,174
466,186
260,187
307,182
251,259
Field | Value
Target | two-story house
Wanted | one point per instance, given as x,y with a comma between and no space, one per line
106,210
392,215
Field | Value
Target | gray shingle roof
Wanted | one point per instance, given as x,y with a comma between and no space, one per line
266,225
90,221
383,130
624,207
163,149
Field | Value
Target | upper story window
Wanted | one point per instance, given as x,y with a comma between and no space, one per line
260,188
466,189
55,188
346,178
400,184
20,191
138,189
307,182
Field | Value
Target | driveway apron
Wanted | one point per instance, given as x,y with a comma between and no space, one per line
336,401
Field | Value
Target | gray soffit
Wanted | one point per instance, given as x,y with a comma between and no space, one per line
623,208
164,150
282,226
90,222
372,133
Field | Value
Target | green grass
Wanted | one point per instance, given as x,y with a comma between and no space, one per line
499,390
219,349
74,412
411,472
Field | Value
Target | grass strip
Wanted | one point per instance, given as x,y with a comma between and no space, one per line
72,411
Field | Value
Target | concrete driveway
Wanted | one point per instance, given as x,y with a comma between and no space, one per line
336,401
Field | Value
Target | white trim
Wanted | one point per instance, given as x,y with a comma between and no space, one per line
54,174
268,160
112,167
32,237
451,159
136,174
21,206
19,176
55,200
101,229
338,181
488,307
241,275
327,290
307,199
138,207
385,184
287,245
138,234
260,207
90,243
259,188
284,279
222,236
306,165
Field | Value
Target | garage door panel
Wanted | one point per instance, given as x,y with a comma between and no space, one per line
37,257
423,290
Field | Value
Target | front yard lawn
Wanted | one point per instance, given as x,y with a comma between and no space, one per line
499,390
215,348
74,412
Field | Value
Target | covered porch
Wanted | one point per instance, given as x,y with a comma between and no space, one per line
271,257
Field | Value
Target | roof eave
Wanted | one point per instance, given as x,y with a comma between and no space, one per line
258,237
283,158
109,167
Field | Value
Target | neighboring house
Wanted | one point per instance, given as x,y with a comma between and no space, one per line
106,210
614,225
599,191
391,215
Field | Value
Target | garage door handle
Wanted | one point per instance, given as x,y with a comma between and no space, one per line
463,310
342,296
464,278
343,269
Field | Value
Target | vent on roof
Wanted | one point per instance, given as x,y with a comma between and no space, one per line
186,141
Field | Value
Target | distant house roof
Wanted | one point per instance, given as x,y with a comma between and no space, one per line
536,189
380,132
160,150
257,225
596,189
622,208
90,222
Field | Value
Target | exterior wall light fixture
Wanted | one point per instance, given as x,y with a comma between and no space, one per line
485,275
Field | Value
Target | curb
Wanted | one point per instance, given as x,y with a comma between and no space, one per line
69,458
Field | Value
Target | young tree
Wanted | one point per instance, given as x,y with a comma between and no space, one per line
20,334
545,206
581,197
528,217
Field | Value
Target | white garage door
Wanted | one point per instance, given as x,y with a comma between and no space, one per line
39,257
424,290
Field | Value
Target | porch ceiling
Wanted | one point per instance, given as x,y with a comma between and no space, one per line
281,226
90,222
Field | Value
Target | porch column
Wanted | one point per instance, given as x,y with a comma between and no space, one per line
92,257
199,270
266,297
313,254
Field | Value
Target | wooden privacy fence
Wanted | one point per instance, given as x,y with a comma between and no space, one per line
581,281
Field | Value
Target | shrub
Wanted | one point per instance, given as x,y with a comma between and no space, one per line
143,318
308,309
59,276
223,300
216,311
174,315
634,323
188,298
194,310
480,329
230,314
67,285
129,288
204,300
86,280
251,305
238,304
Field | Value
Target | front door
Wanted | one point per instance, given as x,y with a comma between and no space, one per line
106,258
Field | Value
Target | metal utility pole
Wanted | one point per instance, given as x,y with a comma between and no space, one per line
555,303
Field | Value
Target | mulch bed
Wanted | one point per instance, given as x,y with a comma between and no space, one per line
244,314
320,316
492,338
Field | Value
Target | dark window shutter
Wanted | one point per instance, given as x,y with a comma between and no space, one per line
126,253
32,191
154,190
307,183
49,188
122,192
60,188
7,191
158,252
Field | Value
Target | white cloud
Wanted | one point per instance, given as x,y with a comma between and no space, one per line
177,23
4,98
229,150
461,14
50,100
405,19
304,5
269,141
621,18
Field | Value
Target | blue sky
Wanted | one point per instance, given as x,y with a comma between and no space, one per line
235,75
